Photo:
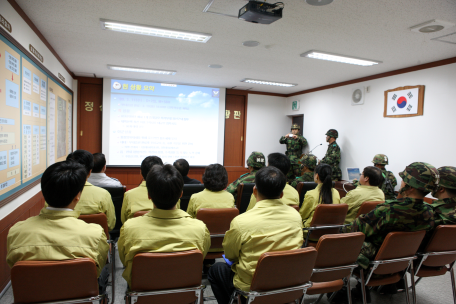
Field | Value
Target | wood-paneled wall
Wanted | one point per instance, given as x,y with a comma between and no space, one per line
30,208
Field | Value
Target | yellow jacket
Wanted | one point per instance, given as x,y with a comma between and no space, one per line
160,231
56,235
97,200
136,200
290,197
311,202
359,195
209,199
269,226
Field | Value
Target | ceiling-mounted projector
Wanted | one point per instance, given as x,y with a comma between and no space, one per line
261,12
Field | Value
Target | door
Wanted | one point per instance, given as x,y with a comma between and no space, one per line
234,131
89,112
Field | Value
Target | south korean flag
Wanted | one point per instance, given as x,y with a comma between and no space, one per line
402,102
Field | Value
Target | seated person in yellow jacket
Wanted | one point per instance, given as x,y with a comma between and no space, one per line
165,228
290,195
323,194
367,191
94,199
137,199
57,233
269,226
215,179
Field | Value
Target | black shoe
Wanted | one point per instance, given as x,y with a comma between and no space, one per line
340,296
357,293
389,289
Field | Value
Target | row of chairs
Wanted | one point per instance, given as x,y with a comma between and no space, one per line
280,277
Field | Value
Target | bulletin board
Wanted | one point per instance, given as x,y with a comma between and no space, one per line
35,119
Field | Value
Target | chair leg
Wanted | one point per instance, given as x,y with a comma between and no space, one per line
233,295
113,272
452,284
407,296
320,297
349,294
412,278
363,291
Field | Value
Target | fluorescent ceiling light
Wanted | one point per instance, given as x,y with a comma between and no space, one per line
140,70
140,29
274,83
339,58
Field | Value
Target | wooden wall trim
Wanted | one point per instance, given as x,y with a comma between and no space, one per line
377,76
38,33
245,92
19,192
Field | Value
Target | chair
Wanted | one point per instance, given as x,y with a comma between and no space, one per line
244,192
392,261
217,222
296,207
303,187
68,281
173,277
280,277
141,213
102,220
117,195
188,191
367,207
327,219
330,268
439,252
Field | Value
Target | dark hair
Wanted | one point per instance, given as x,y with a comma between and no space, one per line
99,161
270,182
83,157
374,174
61,182
215,177
182,166
148,163
164,185
280,161
324,172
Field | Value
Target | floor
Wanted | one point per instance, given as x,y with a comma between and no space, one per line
431,290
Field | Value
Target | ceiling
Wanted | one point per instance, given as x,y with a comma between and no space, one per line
377,30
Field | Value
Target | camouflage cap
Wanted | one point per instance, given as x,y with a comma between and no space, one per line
256,160
380,159
295,126
308,160
332,133
421,176
447,177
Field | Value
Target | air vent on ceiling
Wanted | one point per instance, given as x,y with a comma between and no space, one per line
450,38
241,88
357,97
431,26
82,74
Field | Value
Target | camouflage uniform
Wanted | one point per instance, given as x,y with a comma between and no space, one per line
294,152
256,160
332,156
309,161
405,214
390,180
445,209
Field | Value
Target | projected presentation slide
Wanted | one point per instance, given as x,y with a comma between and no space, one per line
167,120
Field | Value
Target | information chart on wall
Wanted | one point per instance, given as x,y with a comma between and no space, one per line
35,120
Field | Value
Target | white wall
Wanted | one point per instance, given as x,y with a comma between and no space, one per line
364,132
25,36
265,124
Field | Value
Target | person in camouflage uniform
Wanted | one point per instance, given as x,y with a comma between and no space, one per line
332,156
295,143
379,161
409,213
308,163
255,162
445,205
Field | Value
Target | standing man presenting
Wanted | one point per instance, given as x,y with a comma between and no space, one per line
295,143
332,156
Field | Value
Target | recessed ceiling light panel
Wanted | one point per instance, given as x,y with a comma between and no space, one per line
319,2
140,70
250,43
140,29
431,26
267,82
339,58
216,66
